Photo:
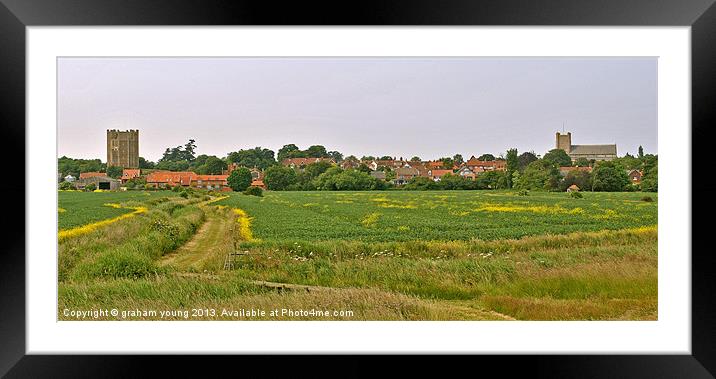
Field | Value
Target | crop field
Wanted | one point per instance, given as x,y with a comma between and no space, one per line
437,215
81,208
388,255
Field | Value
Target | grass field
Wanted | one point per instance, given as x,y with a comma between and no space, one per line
392,255
81,208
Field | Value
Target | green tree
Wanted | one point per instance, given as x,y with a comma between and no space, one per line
364,168
420,183
114,172
486,157
539,175
367,158
143,163
526,158
558,157
582,179
609,177
512,166
582,162
316,151
212,166
491,180
257,157
288,151
239,180
385,158
458,159
279,178
337,156
415,159
448,163
641,152
650,179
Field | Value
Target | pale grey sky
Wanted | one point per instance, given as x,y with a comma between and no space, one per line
429,107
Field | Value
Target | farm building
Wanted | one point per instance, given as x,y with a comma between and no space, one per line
378,174
573,188
92,174
100,182
475,164
166,179
130,173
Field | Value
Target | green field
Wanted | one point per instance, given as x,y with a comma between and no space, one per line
390,255
437,215
81,208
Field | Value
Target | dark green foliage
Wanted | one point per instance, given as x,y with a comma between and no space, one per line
647,199
576,195
90,187
558,157
257,157
486,157
114,172
210,165
279,178
254,191
68,166
539,175
582,162
239,179
512,166
525,159
609,177
581,179
66,186
337,179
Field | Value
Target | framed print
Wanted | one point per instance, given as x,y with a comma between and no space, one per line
463,179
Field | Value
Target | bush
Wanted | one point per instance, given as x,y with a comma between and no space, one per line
255,191
576,195
184,194
66,186
90,187
176,188
523,193
648,199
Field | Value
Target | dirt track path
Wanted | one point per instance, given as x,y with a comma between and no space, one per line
210,244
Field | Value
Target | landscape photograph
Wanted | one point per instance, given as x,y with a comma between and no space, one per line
357,189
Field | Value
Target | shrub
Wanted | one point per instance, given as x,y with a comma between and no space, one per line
255,191
576,195
184,194
90,187
523,192
176,188
66,186
648,199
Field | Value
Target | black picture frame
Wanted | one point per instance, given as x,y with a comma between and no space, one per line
700,15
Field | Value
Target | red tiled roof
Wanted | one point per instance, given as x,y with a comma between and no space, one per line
440,173
85,175
130,173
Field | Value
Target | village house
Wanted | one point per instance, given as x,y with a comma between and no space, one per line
573,188
466,173
129,173
477,165
350,164
436,175
378,174
168,179
300,163
404,174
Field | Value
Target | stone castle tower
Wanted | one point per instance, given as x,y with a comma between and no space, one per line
564,142
123,148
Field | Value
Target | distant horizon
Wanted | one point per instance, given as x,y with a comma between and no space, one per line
425,107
